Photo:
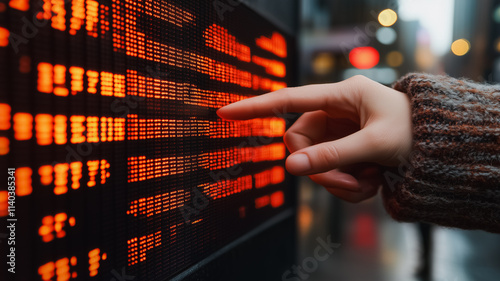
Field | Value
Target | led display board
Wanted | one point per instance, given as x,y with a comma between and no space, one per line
109,135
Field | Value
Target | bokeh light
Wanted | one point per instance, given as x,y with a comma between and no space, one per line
394,59
496,14
497,45
460,47
364,57
386,35
387,17
323,63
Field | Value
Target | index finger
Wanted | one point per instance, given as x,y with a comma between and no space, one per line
299,99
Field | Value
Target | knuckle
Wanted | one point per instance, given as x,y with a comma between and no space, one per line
328,156
358,78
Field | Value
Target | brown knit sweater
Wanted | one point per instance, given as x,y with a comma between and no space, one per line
452,177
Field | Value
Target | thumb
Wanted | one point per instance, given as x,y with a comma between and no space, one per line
355,148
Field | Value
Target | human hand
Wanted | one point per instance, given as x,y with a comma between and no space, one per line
349,129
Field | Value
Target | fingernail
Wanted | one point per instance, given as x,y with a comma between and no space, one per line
299,163
218,112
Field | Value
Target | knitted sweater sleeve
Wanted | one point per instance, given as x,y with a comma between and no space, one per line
452,177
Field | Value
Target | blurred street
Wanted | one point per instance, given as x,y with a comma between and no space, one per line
375,247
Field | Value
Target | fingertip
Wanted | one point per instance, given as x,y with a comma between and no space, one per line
220,113
298,164
225,112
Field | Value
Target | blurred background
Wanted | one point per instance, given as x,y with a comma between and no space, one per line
384,40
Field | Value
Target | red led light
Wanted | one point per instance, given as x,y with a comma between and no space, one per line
137,247
4,116
60,269
226,188
364,57
94,55
23,181
275,175
4,195
4,37
21,5
272,67
276,200
276,44
157,204
219,38
54,226
95,257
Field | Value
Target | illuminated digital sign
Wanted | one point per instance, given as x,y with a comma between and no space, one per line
107,119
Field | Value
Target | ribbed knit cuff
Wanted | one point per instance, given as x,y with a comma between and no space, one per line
452,177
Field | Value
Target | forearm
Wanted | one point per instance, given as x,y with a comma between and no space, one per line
453,177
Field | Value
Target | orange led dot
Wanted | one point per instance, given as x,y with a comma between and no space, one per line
4,116
94,252
23,181
60,233
59,15
276,44
23,126
72,221
60,80
46,271
262,202
4,195
45,173
60,217
60,128
4,146
92,77
77,129
93,167
76,174
4,37
47,238
61,178
44,230
21,5
277,199
43,128
76,79
45,77
48,220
